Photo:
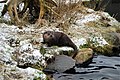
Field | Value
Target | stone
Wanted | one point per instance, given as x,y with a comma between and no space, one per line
61,63
84,55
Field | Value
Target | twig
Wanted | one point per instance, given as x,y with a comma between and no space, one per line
52,10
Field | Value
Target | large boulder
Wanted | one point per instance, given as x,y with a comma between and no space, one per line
61,63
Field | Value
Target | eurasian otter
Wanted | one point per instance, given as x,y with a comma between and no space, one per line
60,39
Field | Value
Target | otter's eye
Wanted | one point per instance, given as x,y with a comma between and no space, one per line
48,33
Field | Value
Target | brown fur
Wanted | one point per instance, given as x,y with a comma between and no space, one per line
58,39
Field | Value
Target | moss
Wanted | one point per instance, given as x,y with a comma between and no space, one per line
68,53
103,50
42,50
38,67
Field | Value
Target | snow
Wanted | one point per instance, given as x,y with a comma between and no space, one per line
98,41
27,54
112,20
87,18
26,47
8,32
36,72
82,41
65,48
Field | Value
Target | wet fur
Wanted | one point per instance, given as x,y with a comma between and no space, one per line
58,39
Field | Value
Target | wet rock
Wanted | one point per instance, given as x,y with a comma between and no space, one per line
84,56
61,63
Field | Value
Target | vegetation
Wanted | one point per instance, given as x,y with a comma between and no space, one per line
41,6
107,50
44,9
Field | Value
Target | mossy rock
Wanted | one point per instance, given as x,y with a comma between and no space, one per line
84,55
112,38
103,50
107,50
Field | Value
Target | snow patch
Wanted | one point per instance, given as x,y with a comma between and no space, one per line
36,72
25,48
82,41
65,48
27,54
98,41
87,18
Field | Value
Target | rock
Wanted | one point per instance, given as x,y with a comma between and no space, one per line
27,56
107,50
84,55
8,68
61,63
110,49
9,72
113,38
100,45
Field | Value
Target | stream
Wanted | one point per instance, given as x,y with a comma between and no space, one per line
101,68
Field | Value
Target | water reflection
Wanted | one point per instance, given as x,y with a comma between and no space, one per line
101,68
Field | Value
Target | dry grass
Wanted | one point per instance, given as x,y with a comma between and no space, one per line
68,13
67,9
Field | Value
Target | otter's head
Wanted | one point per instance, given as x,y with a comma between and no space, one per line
48,36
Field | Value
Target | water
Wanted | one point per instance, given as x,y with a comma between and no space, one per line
101,68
